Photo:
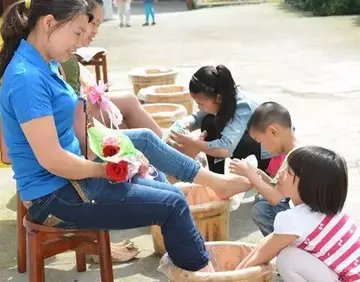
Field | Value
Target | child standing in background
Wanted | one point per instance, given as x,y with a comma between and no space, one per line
124,11
149,11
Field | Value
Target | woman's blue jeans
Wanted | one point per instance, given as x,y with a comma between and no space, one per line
143,202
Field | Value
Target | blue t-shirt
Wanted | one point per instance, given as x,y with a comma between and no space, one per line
33,88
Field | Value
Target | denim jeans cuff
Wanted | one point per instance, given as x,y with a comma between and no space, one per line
197,263
189,171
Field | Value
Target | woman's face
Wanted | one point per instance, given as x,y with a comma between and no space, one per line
206,104
92,28
59,49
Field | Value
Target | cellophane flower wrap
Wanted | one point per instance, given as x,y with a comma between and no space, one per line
122,159
95,93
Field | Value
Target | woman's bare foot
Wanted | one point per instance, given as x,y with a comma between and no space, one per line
225,186
120,252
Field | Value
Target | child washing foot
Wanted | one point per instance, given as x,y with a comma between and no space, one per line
271,126
224,113
315,240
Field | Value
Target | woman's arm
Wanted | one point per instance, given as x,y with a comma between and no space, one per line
267,249
43,139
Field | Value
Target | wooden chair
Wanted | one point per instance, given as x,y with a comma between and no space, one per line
45,241
99,62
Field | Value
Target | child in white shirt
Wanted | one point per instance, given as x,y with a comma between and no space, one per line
314,241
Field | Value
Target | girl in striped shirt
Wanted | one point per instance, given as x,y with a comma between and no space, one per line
314,241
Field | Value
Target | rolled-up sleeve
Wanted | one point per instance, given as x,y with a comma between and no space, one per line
195,120
234,130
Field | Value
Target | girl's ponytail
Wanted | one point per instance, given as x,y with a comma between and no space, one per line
225,86
14,27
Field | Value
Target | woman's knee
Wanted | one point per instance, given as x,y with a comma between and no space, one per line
179,203
148,134
140,134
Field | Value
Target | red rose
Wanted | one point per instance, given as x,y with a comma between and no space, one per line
110,150
117,172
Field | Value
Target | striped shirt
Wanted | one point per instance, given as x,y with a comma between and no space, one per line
334,240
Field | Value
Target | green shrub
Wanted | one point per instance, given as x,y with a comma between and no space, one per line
327,7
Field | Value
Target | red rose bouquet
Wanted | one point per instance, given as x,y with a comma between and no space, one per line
117,150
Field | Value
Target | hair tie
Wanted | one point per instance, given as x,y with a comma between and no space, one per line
27,4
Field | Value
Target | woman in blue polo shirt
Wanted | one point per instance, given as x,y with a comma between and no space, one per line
38,108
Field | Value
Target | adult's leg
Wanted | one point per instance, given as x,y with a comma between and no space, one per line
182,167
135,116
208,124
130,205
263,214
296,265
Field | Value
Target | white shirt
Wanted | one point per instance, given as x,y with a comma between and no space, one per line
335,240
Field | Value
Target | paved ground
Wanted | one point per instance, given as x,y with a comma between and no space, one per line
311,65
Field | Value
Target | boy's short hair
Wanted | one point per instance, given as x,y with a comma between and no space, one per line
267,114
323,178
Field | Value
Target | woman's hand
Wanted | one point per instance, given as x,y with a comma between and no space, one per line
144,167
243,168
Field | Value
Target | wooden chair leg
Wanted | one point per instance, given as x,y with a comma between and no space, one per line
36,261
21,237
104,69
97,73
106,269
80,261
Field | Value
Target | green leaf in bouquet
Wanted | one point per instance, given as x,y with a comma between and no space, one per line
127,148
96,136
95,141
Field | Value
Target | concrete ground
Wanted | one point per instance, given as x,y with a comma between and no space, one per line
311,65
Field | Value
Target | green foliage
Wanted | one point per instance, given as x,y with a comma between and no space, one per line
327,7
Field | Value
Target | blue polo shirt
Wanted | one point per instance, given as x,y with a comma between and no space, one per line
33,88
